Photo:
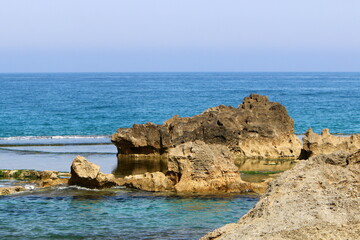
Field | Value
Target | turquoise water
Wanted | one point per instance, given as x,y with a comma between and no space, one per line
70,213
48,119
99,103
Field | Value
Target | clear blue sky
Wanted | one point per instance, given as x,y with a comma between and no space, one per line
179,35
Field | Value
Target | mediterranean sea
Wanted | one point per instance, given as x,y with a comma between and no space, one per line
46,119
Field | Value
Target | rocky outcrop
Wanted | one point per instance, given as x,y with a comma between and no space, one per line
11,190
257,128
317,199
315,144
200,167
87,174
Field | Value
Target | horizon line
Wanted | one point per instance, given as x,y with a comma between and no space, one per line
67,72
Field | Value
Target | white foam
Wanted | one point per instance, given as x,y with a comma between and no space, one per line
55,137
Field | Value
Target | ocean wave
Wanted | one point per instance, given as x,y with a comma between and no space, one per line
55,140
61,188
55,137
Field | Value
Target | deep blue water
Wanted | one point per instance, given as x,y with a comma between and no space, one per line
91,106
59,104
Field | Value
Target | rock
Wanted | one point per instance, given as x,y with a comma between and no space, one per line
200,167
317,199
49,182
45,178
154,182
257,128
11,190
87,174
26,174
196,167
315,144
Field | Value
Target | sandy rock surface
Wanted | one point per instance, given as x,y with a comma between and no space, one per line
200,167
325,143
154,182
317,199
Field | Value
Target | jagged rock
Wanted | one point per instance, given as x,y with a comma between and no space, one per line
315,144
257,128
11,190
317,199
154,182
200,167
87,174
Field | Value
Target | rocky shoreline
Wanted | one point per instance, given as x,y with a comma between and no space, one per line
317,199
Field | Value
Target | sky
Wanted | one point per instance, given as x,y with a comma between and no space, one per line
179,35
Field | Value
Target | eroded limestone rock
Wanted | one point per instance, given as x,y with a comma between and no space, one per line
316,144
200,167
317,199
257,128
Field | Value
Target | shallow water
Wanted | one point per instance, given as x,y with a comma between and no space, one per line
77,213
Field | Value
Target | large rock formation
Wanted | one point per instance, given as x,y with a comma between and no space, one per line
317,199
315,144
87,174
257,128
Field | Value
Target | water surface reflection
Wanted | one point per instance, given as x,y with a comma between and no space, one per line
129,165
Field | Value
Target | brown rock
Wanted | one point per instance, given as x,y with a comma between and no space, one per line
315,144
49,182
317,199
11,190
257,128
154,182
87,174
200,167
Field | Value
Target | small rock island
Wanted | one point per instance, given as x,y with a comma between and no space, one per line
257,128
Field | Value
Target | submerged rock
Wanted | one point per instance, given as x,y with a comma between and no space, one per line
315,144
257,128
317,199
87,174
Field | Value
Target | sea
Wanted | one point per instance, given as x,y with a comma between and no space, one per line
47,119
